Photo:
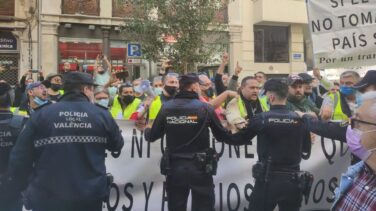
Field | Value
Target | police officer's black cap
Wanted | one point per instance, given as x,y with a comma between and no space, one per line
369,79
78,78
4,88
275,84
306,77
188,79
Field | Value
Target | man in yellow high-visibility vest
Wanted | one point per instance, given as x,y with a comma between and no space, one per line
125,103
170,88
240,109
341,105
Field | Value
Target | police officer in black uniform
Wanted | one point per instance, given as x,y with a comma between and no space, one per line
282,139
61,151
188,161
10,127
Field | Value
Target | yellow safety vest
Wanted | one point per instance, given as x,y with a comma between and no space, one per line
155,107
337,106
116,109
243,111
16,111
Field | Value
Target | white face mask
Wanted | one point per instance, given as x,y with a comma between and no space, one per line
103,102
158,90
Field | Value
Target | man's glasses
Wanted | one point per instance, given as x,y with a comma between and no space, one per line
355,123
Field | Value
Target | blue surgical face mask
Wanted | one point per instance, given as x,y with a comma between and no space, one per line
39,101
359,100
103,102
158,90
112,91
347,90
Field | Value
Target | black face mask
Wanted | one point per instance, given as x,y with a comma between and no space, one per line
56,87
127,99
101,72
171,90
209,92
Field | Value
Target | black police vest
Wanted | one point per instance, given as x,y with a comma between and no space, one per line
9,131
282,138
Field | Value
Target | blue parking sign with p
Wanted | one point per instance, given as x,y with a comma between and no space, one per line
134,50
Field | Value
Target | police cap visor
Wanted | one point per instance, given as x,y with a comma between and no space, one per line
78,78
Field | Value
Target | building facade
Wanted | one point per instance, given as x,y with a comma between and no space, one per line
264,35
269,36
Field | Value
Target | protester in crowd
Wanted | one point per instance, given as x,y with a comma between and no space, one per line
137,94
10,127
261,78
308,89
185,121
341,105
340,130
113,86
20,93
334,88
158,85
324,83
241,109
66,67
102,97
37,97
296,100
125,103
102,74
152,107
54,83
206,87
357,188
219,83
282,141
233,83
221,77
60,153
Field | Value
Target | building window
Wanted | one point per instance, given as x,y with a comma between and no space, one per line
124,8
80,53
7,8
271,44
82,7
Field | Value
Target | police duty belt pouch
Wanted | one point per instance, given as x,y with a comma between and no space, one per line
165,162
258,170
207,161
305,180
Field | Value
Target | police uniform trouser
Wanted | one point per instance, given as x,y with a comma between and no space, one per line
186,177
87,206
281,189
11,205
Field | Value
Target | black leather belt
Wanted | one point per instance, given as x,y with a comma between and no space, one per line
183,155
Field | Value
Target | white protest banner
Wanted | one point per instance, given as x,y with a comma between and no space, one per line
139,186
343,32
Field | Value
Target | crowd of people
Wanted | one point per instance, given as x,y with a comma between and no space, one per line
343,111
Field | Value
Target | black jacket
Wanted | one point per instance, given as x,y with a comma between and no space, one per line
62,151
282,135
181,119
328,129
10,128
